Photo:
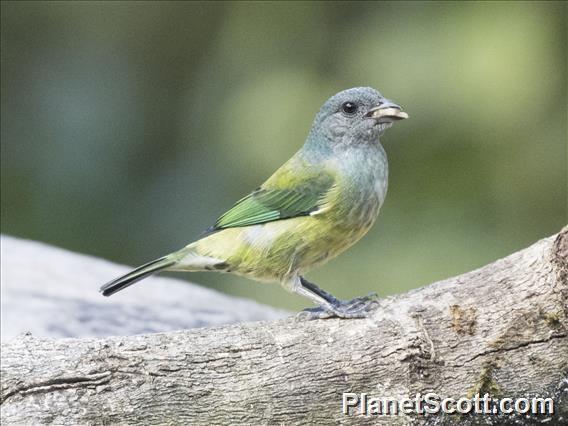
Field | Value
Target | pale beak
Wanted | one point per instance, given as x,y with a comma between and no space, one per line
387,112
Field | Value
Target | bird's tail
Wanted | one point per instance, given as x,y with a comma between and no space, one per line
137,274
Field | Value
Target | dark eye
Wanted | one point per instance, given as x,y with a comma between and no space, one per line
349,108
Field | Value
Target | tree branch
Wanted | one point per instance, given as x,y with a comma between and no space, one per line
501,329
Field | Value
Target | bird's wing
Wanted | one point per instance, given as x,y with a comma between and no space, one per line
279,198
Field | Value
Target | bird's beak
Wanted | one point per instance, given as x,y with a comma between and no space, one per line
387,112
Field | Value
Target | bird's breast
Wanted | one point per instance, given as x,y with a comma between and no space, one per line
364,184
360,191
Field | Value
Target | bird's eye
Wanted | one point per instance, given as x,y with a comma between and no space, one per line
349,108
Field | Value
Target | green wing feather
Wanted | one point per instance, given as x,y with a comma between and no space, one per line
274,201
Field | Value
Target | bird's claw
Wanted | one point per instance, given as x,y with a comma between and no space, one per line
360,307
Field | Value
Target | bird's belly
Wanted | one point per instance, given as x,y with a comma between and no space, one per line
274,250
339,235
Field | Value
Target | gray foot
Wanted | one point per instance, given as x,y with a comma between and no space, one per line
360,307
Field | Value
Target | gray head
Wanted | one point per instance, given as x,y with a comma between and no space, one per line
358,115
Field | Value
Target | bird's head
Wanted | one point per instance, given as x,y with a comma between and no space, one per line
356,115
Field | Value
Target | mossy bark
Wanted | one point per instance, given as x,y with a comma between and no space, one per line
501,329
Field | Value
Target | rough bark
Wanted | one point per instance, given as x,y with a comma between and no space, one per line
501,329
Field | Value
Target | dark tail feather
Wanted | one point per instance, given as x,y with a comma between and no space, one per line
136,275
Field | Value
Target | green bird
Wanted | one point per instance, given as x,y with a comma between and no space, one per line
317,205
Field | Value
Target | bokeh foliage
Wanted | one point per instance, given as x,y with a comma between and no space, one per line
127,128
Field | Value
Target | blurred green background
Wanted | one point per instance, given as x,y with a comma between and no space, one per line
128,128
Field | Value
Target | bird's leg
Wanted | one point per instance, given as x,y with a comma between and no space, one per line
329,306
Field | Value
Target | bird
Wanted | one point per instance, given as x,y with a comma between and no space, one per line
314,207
